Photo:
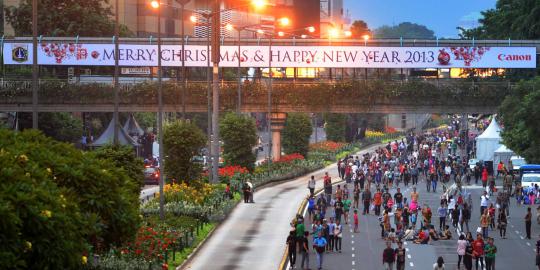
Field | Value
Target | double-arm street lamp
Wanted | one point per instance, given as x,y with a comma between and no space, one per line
282,22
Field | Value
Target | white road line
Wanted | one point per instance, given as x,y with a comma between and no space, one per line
517,232
352,241
522,237
405,242
352,235
352,255
409,256
411,264
407,249
352,248
353,262
528,244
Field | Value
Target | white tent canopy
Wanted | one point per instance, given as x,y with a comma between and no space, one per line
502,154
488,142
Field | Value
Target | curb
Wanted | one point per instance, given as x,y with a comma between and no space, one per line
203,242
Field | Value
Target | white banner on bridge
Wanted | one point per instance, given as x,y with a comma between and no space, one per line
282,56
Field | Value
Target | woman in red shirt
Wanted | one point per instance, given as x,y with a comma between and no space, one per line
484,177
478,250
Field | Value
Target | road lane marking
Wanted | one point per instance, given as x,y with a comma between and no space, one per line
409,256
407,249
353,262
522,237
352,255
528,244
411,264
352,248
352,241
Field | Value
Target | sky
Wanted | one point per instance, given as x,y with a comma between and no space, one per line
440,16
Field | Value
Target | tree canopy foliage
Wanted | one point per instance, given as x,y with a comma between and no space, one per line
405,30
59,18
296,133
520,115
182,140
515,19
335,126
239,135
359,28
57,201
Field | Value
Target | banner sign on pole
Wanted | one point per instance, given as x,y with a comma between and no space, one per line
69,54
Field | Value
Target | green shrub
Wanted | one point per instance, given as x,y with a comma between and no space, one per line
295,135
335,127
105,194
239,135
182,141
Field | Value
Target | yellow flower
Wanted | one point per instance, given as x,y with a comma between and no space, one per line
27,174
49,170
46,213
63,206
28,245
23,158
84,259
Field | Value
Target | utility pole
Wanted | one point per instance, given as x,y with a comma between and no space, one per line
216,32
116,73
35,69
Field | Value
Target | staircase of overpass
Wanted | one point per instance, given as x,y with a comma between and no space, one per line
337,96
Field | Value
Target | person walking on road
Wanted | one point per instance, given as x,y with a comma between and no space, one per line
443,212
356,197
338,235
484,202
291,243
355,219
377,201
490,250
304,250
503,222
366,199
528,219
327,187
538,254
389,256
468,258
478,251
319,244
331,236
311,185
338,209
484,223
484,177
400,256
461,249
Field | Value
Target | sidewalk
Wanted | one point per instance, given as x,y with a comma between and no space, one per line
253,237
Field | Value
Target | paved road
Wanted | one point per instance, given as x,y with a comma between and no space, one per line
363,250
253,237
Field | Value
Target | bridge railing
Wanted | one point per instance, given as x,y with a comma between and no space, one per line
320,94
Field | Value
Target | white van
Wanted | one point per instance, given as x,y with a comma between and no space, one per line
530,179
517,162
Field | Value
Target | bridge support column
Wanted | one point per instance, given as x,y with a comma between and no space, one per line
277,122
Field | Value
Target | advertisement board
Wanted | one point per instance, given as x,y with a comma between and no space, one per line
55,54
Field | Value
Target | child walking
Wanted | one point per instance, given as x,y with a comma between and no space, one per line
355,217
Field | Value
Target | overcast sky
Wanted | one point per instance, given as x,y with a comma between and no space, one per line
440,16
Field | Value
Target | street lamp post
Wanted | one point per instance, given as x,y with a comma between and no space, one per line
216,27
182,5
116,71
156,5
35,69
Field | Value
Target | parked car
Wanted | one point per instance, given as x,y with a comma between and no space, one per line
151,175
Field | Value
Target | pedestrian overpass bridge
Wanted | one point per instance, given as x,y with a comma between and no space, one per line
344,96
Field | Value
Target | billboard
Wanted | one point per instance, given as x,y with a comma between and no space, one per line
70,54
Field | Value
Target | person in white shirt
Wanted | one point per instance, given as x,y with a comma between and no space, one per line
311,185
484,202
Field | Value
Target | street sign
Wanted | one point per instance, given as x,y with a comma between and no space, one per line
136,71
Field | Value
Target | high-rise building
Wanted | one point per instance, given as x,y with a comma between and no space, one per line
332,16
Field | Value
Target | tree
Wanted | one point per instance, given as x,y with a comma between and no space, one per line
360,28
239,135
515,19
182,140
405,30
103,195
60,126
295,136
89,18
124,157
520,114
335,126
